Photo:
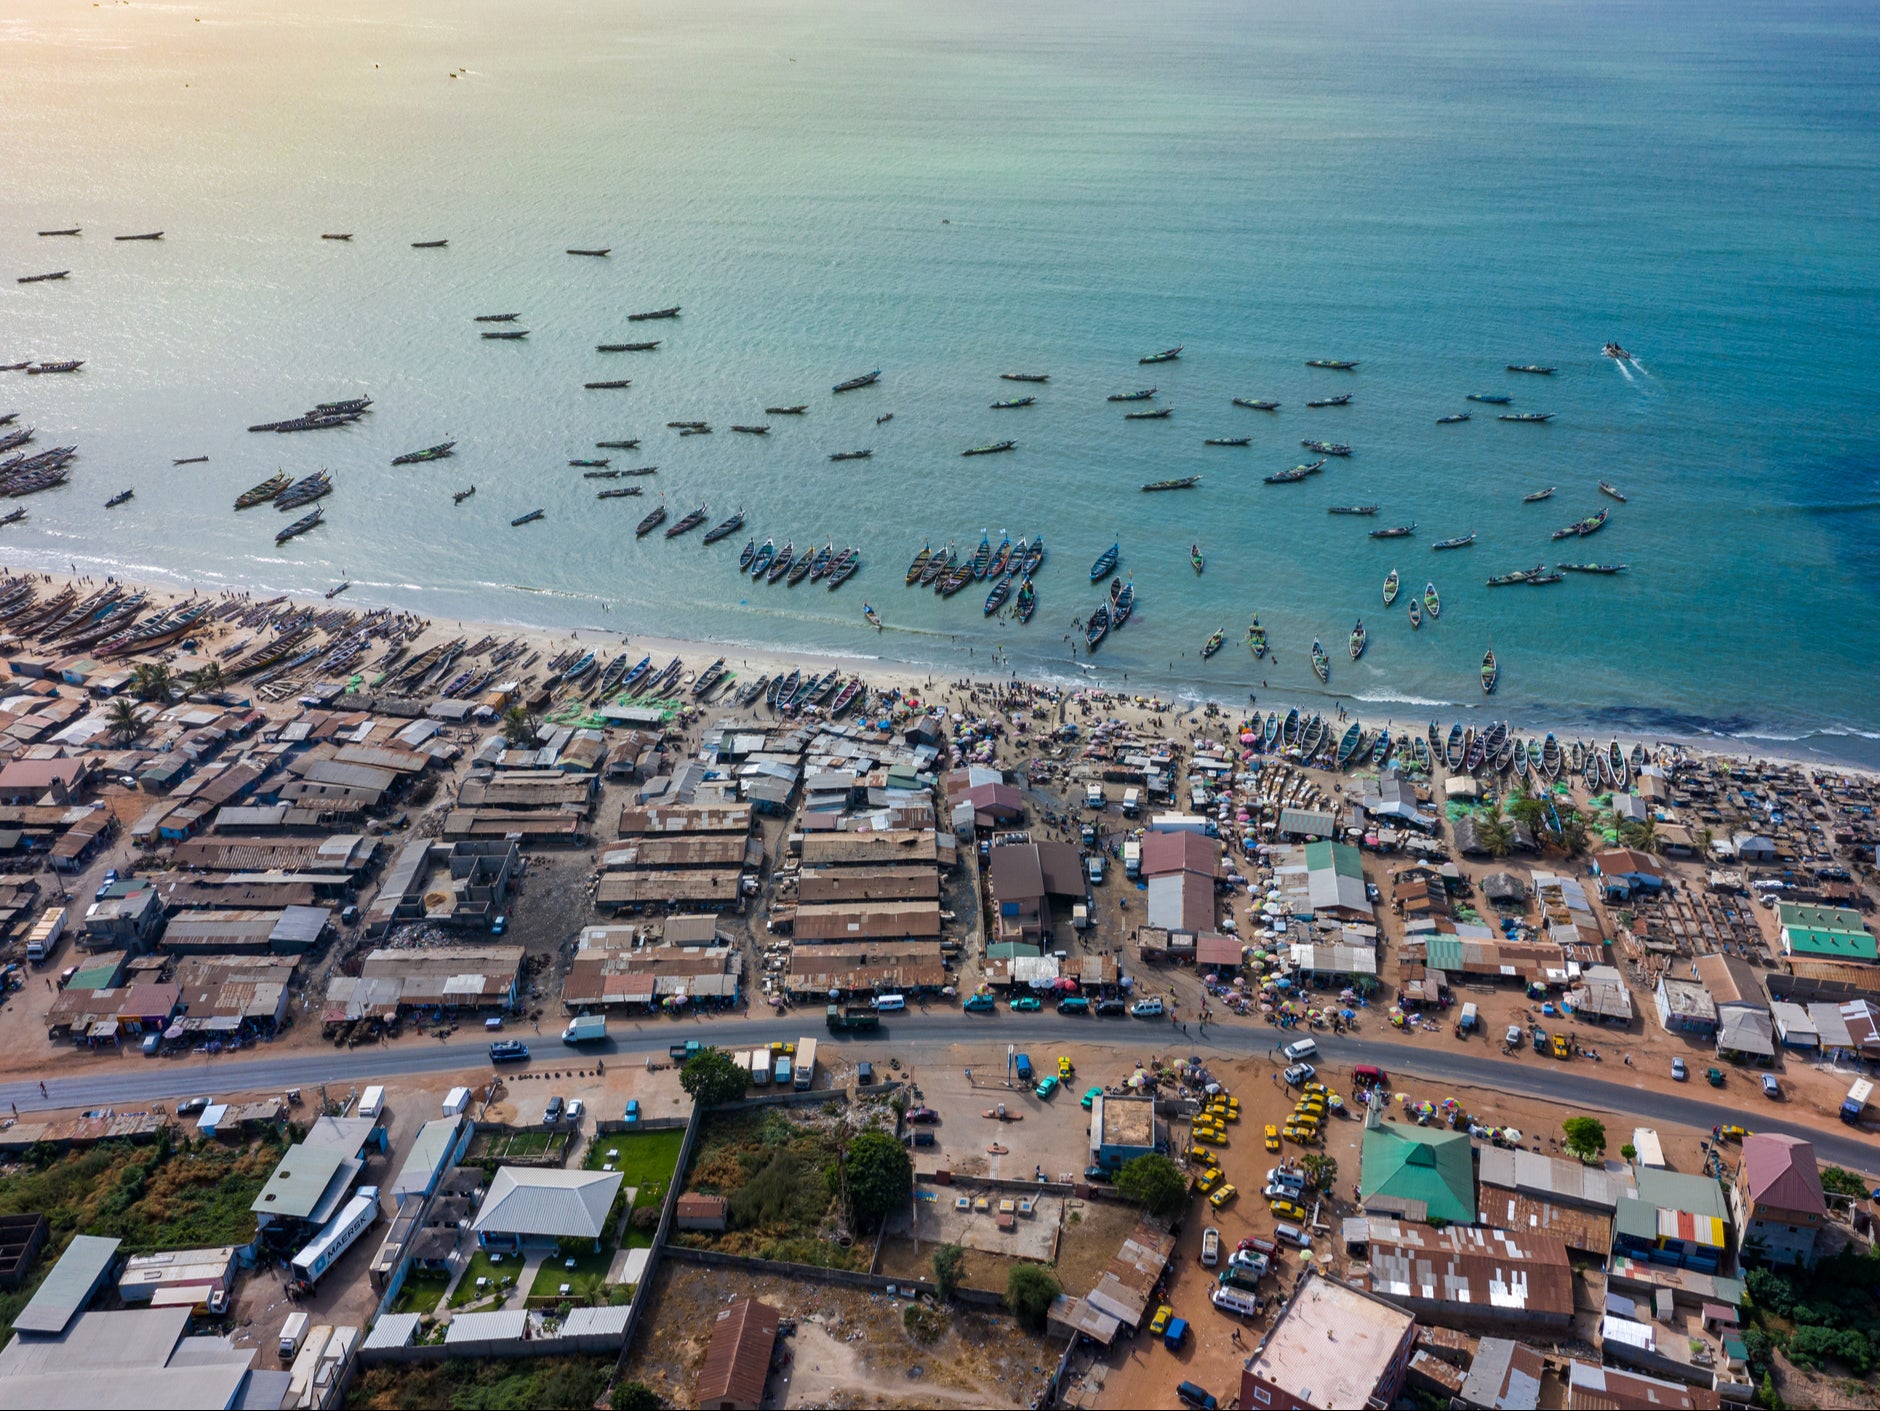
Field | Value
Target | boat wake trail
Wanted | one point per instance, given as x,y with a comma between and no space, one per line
1642,368
1624,371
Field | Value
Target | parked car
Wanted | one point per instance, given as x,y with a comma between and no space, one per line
1210,1178
190,1106
1027,1004
1286,1210
1272,1137
1073,1004
1539,1036
1276,1190
508,1051
1197,1397
633,1109
1159,1324
1210,1246
1678,1071
981,1004
1561,1048
922,1116
1065,1067
1147,1008
1091,1094
1094,866
1771,1088
1286,1176
1046,1085
1221,1195
1299,1075
1112,1006
1513,1037
574,1110
1714,1076
552,1113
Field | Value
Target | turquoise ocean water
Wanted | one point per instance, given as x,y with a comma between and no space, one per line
949,192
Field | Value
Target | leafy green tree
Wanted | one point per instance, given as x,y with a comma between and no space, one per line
881,1176
207,677
1586,1137
949,1262
1642,835
635,1396
1528,811
1837,1180
1629,1152
1321,1170
711,1078
1029,1289
1153,1182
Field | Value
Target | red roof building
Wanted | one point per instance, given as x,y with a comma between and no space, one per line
738,1362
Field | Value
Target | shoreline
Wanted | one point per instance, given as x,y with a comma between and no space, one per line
921,680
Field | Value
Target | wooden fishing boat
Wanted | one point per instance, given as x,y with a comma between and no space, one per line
1256,637
1533,417
1352,509
615,673
1348,746
71,230
304,491
633,445
796,410
783,688
1027,601
749,694
496,318
981,558
1359,639
844,568
1327,448
62,365
1105,564
1550,757
846,697
1227,441
1213,644
609,384
1297,473
726,527
1001,559
1025,376
1269,735
996,598
1312,737
262,493
850,455
1491,672
1432,604
596,254
1195,560
1416,614
874,618
1159,414
644,347
429,453
42,278
1321,664
990,449
867,379
1343,399
1380,752
1142,394
1390,587
786,557
761,560
300,526
1535,368
1621,767
1592,567
1605,488
511,334
1182,483
189,460
1420,753
672,312
1493,399
528,518
920,562
13,517
119,499
1520,575
1453,419
1255,405
622,492
1098,627
1289,731
1013,403
1455,750
1461,541
1167,355
746,554
1333,364
800,569
1123,605
416,244
1475,753
1401,531
652,521
689,522
600,464
150,235
938,566
642,470
752,430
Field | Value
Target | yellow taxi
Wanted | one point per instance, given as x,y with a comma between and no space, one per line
1286,1210
1160,1324
1211,1137
1222,1196
1272,1137
1201,1154
1064,1067
1305,1136
1210,1178
1313,1090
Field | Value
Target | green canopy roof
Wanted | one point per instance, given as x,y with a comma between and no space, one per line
1436,1168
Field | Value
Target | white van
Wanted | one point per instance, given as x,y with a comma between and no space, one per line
293,1334
884,1003
1302,1050
372,1103
1233,1300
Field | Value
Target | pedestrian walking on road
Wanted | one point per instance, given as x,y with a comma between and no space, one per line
42,1089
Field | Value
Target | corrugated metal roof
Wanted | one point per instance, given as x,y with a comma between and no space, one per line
738,1362
68,1285
548,1203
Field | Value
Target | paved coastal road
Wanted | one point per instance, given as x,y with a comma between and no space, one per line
922,1036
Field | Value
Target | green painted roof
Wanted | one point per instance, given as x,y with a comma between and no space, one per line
1836,945
1342,858
1443,953
1818,918
1420,1163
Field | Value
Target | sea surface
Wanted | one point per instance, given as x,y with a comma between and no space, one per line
948,192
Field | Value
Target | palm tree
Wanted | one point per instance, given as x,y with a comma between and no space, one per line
207,677
519,726
122,721
1572,833
1497,836
1527,810
1642,835
152,682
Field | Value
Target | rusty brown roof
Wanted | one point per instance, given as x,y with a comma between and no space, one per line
738,1362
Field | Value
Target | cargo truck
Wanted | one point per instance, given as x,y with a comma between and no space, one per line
585,1029
805,1072
760,1067
679,1053
852,1020
354,1219
784,1078
42,942
1856,1101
